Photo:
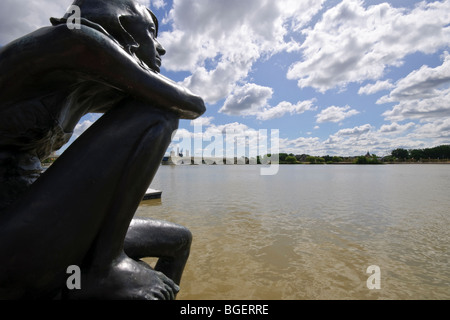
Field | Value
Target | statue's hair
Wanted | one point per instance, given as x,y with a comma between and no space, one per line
107,15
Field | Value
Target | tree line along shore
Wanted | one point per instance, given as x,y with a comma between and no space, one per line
439,154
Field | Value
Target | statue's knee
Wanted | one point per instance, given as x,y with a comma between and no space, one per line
185,236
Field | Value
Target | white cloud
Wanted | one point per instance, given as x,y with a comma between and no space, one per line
425,82
356,131
354,43
247,99
437,131
219,41
302,145
423,94
433,107
285,108
335,114
157,4
181,134
345,142
438,128
82,127
362,139
396,128
202,121
375,87
253,100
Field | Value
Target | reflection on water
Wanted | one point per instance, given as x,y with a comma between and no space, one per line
310,232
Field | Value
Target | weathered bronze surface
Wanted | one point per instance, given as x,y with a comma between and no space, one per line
81,210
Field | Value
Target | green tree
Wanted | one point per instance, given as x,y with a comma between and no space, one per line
440,152
416,154
367,160
315,160
282,157
290,160
311,159
336,159
401,154
361,160
320,160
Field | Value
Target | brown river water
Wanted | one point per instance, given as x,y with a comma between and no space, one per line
310,232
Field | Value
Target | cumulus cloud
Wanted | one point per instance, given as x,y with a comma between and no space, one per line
157,4
283,108
335,114
219,41
357,131
358,141
423,94
247,99
396,128
354,43
82,127
425,82
253,100
202,121
345,142
366,138
375,87
438,130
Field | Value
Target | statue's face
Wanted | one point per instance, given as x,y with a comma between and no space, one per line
143,30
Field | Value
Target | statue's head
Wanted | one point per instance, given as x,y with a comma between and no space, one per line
129,23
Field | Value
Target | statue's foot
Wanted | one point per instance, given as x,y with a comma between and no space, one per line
126,279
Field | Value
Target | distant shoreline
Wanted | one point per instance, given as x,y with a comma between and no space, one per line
352,163
313,164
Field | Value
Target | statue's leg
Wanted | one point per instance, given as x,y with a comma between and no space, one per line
78,212
169,242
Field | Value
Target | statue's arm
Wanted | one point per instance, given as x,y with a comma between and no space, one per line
91,53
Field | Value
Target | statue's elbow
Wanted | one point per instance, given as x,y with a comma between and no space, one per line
197,108
201,108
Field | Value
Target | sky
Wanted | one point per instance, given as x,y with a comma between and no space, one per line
323,77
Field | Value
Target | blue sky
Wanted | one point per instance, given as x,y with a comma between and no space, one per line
334,77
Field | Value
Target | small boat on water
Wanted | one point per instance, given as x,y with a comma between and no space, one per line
152,194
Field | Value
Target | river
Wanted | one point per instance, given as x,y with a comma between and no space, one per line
310,231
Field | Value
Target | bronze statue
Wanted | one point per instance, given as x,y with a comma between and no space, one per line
81,210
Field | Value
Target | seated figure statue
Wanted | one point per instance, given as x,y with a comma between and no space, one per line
81,211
